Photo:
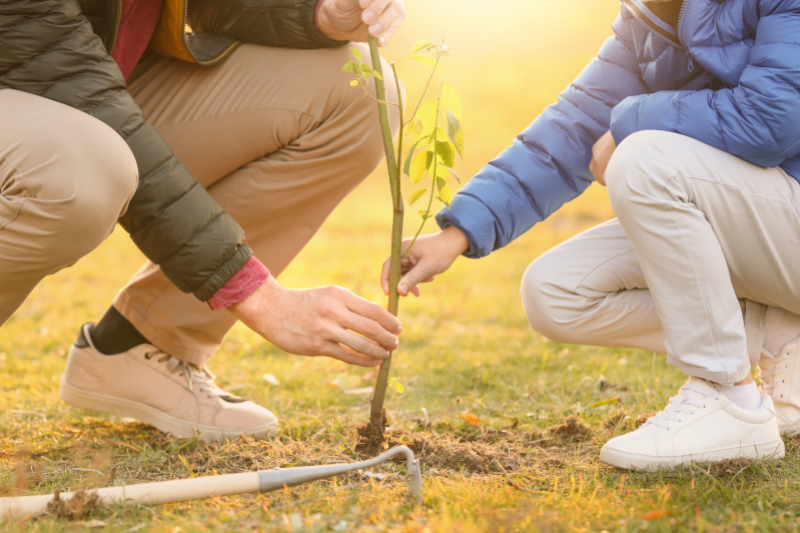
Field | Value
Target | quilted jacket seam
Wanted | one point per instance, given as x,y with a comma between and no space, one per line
771,133
55,82
236,251
519,181
558,166
208,223
38,56
36,18
113,93
488,207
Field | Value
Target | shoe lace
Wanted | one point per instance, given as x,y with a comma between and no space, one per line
194,374
769,369
690,395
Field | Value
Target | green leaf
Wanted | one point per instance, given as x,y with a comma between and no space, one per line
399,387
419,167
424,214
350,66
445,192
455,132
446,195
357,54
353,83
459,142
441,171
427,116
453,172
407,164
447,152
377,75
422,45
416,195
428,61
451,101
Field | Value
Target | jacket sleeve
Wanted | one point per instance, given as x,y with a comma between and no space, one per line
757,120
548,163
48,48
280,23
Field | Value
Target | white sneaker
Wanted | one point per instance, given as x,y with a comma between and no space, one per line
149,385
777,374
699,424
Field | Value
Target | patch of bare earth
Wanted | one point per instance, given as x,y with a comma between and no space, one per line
80,505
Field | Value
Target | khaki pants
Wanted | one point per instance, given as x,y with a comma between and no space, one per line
65,179
278,137
701,235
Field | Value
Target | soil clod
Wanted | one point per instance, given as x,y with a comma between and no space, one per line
573,429
79,506
371,439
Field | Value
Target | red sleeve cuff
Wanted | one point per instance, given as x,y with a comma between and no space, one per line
316,18
250,277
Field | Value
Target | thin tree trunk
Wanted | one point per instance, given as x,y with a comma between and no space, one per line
379,392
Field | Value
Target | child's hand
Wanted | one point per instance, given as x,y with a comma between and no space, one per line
430,255
601,156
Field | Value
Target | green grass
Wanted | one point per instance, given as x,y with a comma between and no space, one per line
466,349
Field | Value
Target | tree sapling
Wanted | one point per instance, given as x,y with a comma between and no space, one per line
432,155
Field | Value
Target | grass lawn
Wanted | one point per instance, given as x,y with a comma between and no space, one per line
508,424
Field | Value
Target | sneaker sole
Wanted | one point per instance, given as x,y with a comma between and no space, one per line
162,421
629,461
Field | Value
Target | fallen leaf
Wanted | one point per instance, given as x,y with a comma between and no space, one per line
471,419
344,382
271,379
652,515
362,390
91,524
610,401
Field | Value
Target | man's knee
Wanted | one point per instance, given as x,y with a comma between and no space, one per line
93,180
109,179
540,296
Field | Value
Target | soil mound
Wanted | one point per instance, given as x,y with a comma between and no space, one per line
79,506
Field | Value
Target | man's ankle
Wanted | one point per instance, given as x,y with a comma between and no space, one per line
114,334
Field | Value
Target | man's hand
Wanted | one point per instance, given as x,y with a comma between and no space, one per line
327,321
601,156
349,20
430,255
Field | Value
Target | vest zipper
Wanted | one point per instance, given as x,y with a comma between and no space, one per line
654,32
680,25
116,27
185,21
680,19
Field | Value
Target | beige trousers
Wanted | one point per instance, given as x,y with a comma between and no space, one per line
65,179
701,235
278,137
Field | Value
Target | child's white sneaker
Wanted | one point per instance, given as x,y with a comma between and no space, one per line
699,424
778,373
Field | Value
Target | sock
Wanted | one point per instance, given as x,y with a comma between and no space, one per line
745,396
114,334
781,327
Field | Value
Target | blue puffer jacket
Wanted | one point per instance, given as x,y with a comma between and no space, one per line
729,76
